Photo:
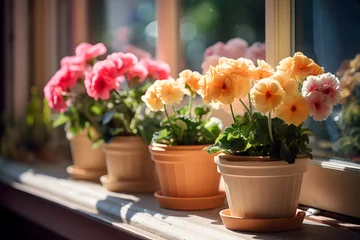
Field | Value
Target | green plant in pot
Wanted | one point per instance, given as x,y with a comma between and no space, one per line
188,176
265,152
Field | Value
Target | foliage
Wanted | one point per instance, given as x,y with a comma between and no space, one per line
249,136
182,129
30,133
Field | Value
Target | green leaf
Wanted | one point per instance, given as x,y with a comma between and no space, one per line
200,111
183,110
286,154
61,120
107,117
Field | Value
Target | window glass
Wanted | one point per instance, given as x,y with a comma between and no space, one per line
328,31
210,29
126,25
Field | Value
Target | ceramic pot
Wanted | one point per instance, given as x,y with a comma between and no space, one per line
89,163
185,171
129,166
260,187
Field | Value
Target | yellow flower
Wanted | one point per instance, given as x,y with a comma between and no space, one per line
263,70
267,94
289,85
189,81
294,110
168,91
217,86
151,99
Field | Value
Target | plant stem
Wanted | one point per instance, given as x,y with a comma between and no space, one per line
167,115
232,113
250,105
190,105
173,108
247,109
270,128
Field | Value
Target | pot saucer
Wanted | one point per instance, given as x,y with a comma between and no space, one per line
262,225
84,174
196,203
130,186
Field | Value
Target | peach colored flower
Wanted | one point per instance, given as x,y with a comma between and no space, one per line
303,66
317,70
212,60
294,110
289,85
241,70
217,86
267,94
320,109
285,65
168,91
189,81
151,99
89,51
263,70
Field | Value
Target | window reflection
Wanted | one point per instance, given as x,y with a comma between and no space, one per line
211,29
328,31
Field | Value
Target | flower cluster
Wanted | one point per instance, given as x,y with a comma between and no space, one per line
279,101
234,48
105,94
182,128
274,91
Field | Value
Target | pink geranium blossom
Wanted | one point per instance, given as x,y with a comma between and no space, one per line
319,106
235,48
89,51
157,69
327,83
256,51
65,78
74,63
102,80
137,71
216,49
123,61
53,94
212,60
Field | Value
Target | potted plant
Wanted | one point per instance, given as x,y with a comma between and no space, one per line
265,152
126,126
187,175
66,94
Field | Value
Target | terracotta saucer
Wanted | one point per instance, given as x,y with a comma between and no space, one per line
196,203
84,174
130,186
262,225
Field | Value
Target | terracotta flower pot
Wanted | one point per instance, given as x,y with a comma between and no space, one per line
185,171
89,163
261,188
129,166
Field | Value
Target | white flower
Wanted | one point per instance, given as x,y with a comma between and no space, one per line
212,121
319,106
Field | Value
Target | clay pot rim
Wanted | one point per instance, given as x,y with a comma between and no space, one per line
234,158
119,138
164,147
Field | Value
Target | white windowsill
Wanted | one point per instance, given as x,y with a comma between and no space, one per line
139,212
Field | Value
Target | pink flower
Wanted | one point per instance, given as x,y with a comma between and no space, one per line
138,52
212,60
320,108
157,69
102,80
138,71
65,78
216,49
89,51
123,61
53,94
256,51
74,63
327,83
235,48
